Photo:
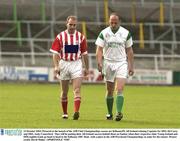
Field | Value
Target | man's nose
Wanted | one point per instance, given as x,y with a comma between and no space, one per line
113,25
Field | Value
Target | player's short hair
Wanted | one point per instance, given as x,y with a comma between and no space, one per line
71,17
114,14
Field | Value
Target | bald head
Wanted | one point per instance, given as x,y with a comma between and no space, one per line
114,21
114,15
71,23
71,18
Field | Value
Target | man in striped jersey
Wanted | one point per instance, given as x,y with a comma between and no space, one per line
115,44
69,49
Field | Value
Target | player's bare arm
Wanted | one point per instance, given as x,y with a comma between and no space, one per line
56,60
86,64
99,54
130,57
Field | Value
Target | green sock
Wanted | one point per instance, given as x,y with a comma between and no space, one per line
109,102
119,102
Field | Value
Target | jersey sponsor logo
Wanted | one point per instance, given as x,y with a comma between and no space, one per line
71,48
114,44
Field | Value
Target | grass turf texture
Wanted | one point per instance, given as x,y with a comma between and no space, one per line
37,106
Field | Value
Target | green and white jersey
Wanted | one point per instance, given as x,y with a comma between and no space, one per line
114,44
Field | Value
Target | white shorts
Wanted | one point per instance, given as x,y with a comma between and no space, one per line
70,69
112,70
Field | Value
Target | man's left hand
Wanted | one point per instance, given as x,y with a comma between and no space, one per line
86,72
131,72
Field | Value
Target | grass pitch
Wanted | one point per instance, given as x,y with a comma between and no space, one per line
37,106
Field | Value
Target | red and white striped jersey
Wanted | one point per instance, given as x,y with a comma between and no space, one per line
70,47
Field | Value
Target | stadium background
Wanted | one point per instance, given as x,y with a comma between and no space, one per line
27,29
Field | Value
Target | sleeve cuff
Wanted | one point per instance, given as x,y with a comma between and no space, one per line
53,51
84,53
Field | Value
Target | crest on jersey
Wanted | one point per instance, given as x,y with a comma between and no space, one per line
107,36
119,34
66,43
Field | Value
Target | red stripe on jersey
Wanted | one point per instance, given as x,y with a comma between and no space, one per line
65,43
81,37
61,44
77,42
60,41
71,40
83,44
61,54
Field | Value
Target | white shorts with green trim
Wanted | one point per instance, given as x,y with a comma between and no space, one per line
114,70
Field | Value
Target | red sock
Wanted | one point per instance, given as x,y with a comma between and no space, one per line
64,103
77,102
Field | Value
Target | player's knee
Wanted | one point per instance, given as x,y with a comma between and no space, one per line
110,91
77,91
63,94
120,89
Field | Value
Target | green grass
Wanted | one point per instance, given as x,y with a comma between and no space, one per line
37,106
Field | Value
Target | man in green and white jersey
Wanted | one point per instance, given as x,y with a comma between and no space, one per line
114,44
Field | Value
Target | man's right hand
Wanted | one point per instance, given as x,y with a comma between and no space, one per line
99,67
56,72
100,70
